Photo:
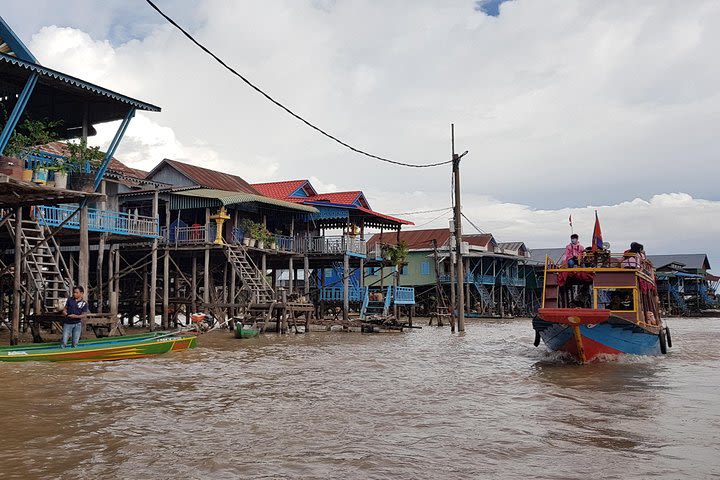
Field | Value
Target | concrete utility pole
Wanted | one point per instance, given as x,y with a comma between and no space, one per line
459,270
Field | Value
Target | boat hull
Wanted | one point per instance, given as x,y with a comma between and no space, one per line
587,342
106,349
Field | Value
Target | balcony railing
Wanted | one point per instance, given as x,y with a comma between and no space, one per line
35,160
335,294
332,245
195,234
404,295
283,243
106,221
514,281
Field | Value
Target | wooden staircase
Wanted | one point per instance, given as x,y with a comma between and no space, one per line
249,274
49,277
517,297
485,296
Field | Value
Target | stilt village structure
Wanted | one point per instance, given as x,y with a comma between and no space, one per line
183,239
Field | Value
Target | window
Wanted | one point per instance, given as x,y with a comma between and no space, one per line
618,299
328,273
425,268
372,271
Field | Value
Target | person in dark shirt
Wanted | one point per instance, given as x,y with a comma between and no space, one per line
75,308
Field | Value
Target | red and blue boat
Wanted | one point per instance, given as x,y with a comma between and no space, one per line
607,305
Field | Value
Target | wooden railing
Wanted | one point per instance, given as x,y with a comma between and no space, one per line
332,245
197,234
106,221
335,294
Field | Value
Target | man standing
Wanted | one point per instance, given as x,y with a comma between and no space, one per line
573,251
75,308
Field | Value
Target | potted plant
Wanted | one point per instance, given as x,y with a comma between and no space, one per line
82,158
258,234
61,175
26,140
245,227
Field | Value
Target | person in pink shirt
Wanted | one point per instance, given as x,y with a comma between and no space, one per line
573,251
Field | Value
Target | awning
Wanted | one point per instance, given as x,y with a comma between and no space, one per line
207,197
62,97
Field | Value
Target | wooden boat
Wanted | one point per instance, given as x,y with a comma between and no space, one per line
607,305
243,331
100,349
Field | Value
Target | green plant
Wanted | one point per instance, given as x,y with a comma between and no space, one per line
79,154
30,135
397,254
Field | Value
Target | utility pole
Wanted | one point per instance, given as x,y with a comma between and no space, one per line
459,270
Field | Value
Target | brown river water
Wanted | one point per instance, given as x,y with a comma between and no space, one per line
421,404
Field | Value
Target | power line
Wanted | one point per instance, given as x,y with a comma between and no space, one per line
471,223
422,211
431,221
261,92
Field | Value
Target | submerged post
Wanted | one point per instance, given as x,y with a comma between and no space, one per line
460,291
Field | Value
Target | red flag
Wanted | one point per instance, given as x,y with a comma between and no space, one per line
597,241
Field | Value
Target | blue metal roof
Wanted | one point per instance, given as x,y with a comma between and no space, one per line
58,77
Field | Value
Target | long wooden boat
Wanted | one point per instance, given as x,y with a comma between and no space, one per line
607,305
101,349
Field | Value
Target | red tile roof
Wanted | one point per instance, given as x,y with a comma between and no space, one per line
283,190
419,239
207,178
340,198
279,190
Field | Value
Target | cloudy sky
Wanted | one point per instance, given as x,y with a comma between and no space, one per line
565,106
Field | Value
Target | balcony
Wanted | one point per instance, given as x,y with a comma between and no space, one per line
332,245
335,294
104,221
192,235
514,281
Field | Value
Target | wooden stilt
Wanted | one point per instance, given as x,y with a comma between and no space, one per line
193,285
17,279
84,259
153,270
291,275
346,287
306,274
206,277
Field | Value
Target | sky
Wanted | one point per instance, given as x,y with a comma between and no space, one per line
565,106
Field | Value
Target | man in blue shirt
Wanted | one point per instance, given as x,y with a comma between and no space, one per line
75,308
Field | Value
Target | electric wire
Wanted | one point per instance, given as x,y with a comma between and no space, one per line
283,107
480,230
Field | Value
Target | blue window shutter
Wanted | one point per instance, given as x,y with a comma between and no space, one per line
425,268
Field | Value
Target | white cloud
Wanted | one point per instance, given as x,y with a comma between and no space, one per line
560,103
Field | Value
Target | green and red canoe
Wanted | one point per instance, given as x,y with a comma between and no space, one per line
101,349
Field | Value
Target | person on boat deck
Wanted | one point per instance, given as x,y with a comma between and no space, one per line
75,308
573,251
633,256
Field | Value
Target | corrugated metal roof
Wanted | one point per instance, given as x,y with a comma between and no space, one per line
206,196
420,239
693,261
210,179
539,254
51,74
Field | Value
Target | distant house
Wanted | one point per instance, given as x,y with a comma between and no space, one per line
495,277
